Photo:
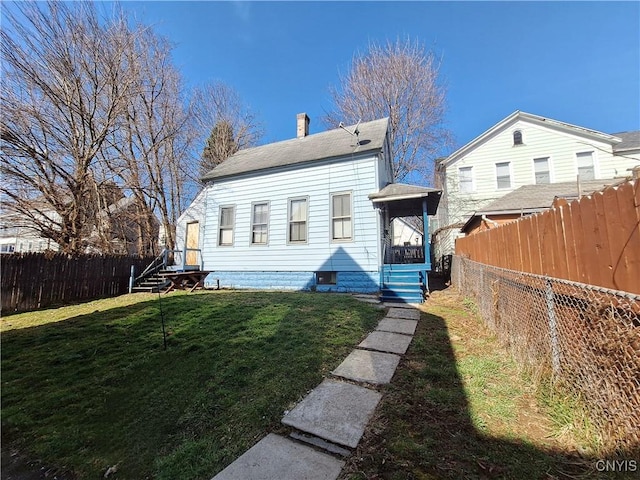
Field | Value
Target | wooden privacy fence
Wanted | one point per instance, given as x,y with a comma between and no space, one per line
36,280
594,240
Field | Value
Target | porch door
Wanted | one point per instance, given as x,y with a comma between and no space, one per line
192,241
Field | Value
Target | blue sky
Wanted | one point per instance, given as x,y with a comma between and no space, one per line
577,62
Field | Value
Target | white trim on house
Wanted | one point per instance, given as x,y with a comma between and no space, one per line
549,167
290,220
536,120
332,217
231,226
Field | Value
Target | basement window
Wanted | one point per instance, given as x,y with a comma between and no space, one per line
326,278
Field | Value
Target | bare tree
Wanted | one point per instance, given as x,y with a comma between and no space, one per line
65,88
401,81
223,123
150,152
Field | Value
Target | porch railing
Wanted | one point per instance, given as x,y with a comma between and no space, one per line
171,258
404,254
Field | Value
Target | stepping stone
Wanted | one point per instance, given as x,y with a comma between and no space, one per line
387,342
410,314
398,325
366,366
336,411
408,306
320,443
277,458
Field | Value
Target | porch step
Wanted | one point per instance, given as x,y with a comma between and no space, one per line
407,296
152,283
401,283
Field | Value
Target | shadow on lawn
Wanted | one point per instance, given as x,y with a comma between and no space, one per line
234,362
424,428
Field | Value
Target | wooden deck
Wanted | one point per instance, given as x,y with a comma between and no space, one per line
189,280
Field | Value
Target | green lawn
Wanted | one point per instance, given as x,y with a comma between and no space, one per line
459,407
90,386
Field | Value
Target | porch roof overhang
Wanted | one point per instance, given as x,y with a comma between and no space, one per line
404,200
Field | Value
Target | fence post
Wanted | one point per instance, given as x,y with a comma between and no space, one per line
553,333
132,278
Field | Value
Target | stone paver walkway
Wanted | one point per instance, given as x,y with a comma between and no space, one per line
278,458
387,342
335,413
369,367
398,325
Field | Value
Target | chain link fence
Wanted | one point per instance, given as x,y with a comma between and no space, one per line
586,337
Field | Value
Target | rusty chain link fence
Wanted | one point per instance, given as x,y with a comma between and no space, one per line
587,338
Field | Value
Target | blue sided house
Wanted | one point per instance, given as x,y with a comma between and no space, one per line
311,213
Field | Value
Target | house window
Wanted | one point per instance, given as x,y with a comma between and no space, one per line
517,137
541,170
465,179
259,223
585,166
326,278
227,217
341,224
298,213
503,175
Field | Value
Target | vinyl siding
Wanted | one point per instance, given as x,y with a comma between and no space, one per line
317,182
560,147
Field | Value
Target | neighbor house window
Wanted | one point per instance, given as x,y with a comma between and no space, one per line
585,166
341,223
260,223
517,137
298,214
503,175
465,179
227,219
541,170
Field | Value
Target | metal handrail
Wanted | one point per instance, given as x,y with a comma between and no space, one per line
152,267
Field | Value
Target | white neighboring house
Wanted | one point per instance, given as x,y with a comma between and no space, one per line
524,149
406,232
16,236
19,234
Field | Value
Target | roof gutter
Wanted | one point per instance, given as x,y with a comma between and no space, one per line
399,197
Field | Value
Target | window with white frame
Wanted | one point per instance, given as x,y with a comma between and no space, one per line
503,175
341,221
585,166
225,225
465,179
298,214
260,223
541,170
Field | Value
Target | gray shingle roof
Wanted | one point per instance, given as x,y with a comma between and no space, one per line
406,199
538,197
320,146
395,190
630,141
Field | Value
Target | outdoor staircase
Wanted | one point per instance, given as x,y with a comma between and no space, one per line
402,283
151,283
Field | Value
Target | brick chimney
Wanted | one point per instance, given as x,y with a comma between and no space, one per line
303,125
